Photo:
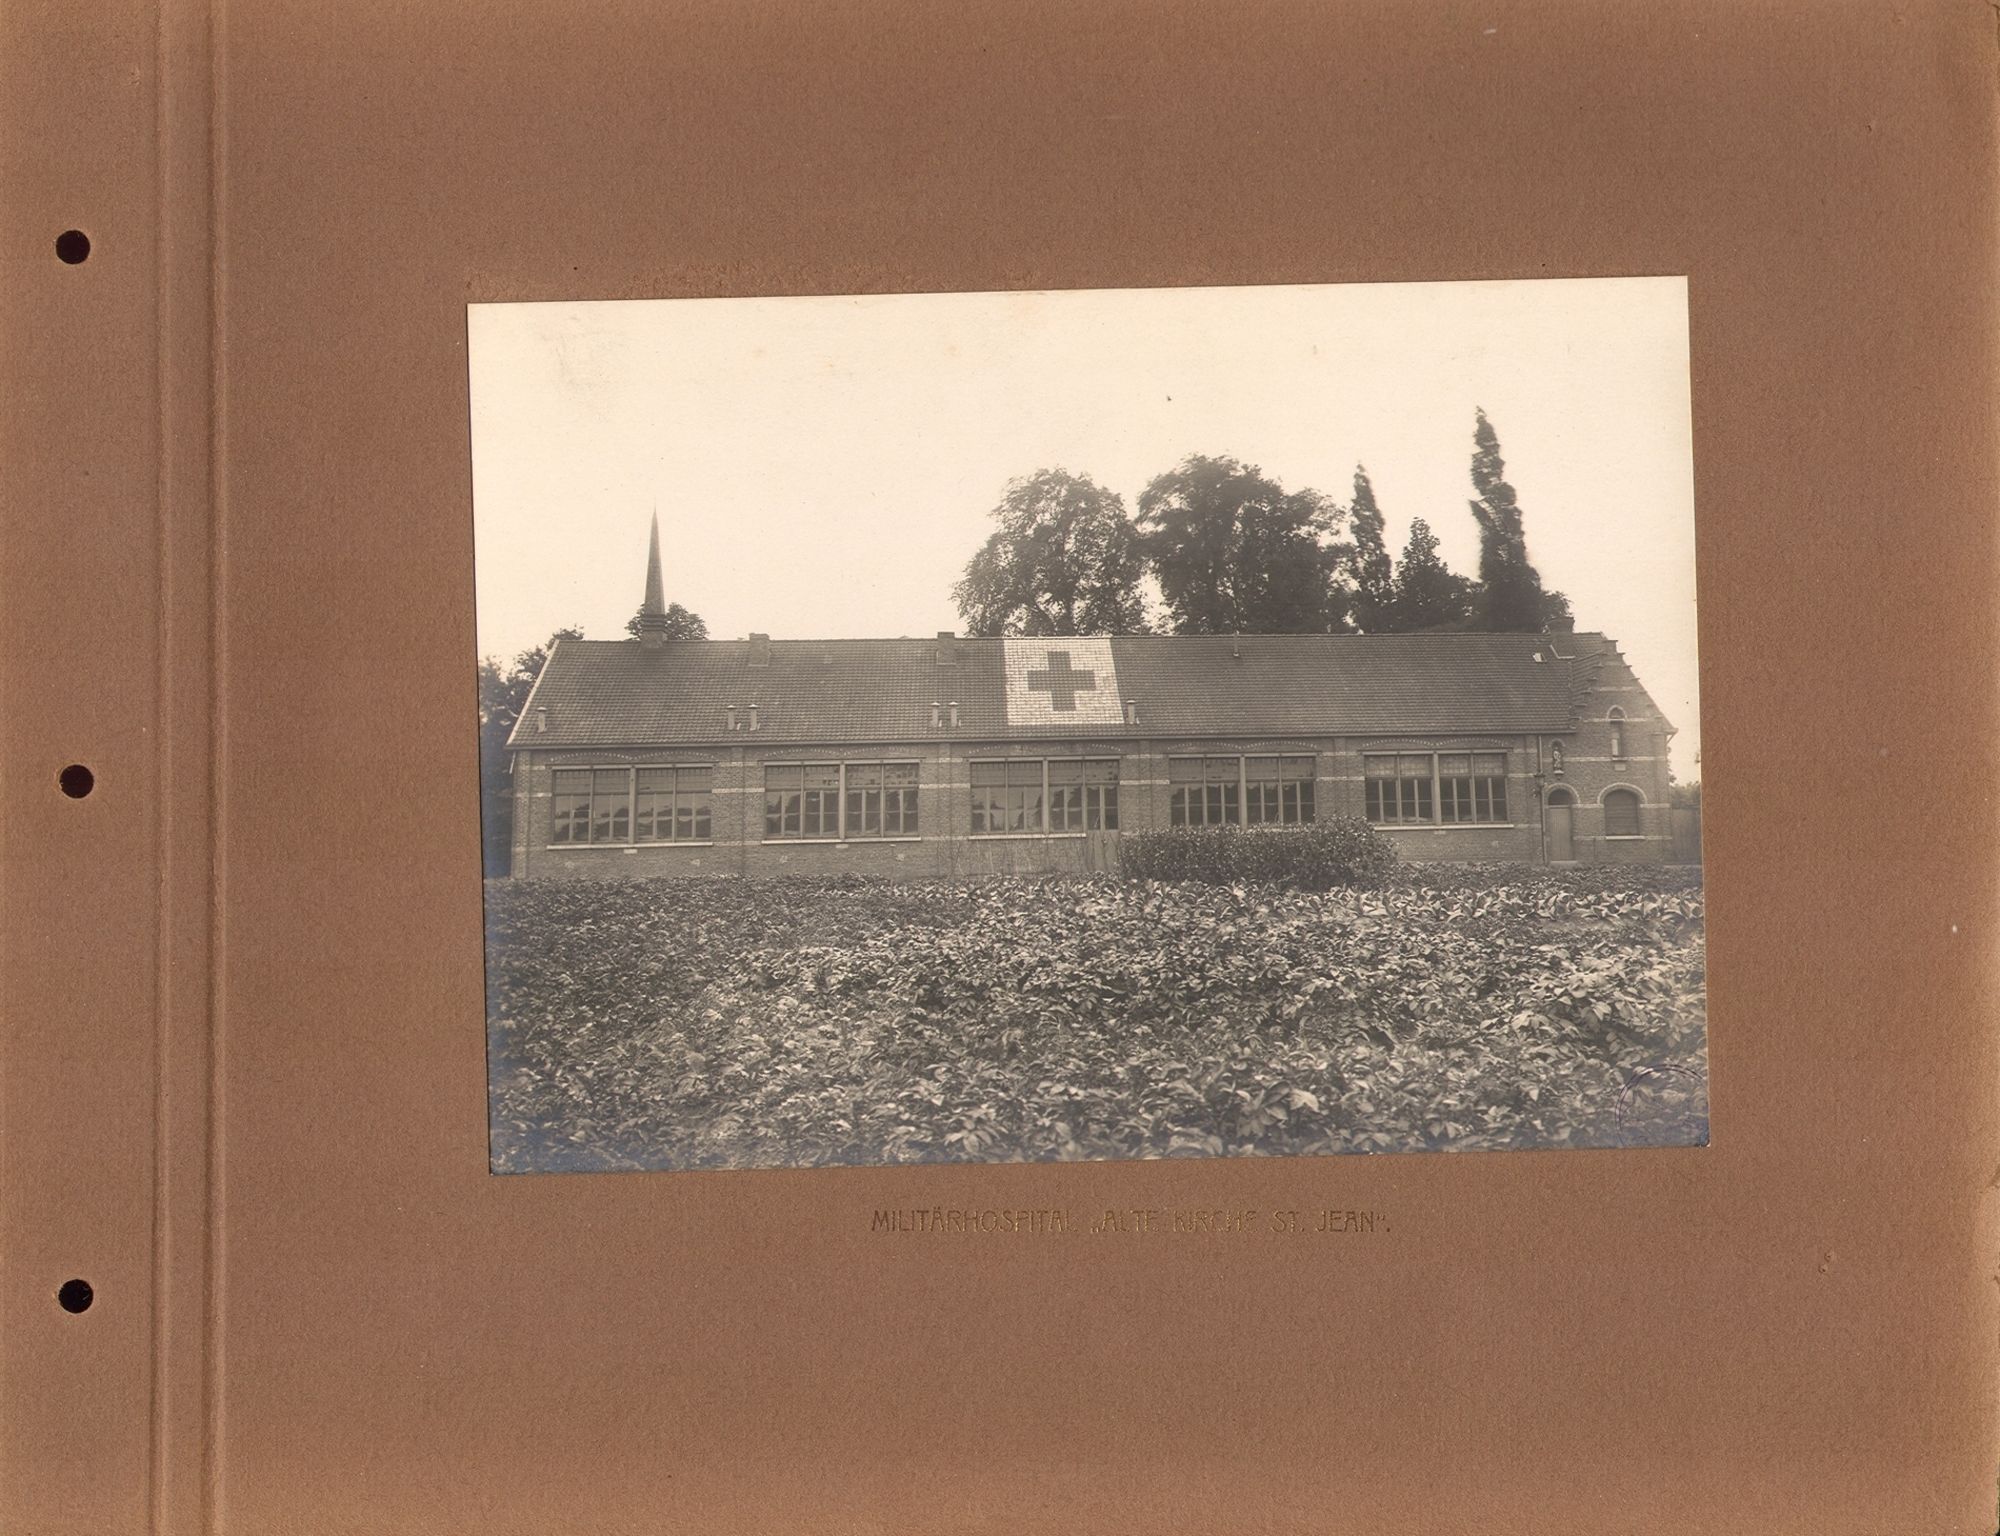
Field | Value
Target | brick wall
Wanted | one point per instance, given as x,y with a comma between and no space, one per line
1597,757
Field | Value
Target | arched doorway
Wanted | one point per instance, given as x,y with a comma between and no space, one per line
1559,825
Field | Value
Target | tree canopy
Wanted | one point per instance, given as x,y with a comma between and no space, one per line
1064,560
681,624
1510,595
503,694
1369,568
1234,551
1428,594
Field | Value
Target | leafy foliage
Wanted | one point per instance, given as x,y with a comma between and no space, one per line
1065,560
681,625
503,693
1427,594
1234,552
1510,595
1322,856
1369,567
728,1023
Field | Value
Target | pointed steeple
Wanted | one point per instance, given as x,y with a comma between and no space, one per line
653,611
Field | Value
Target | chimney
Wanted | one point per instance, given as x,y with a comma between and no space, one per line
541,717
953,706
653,610
760,653
947,648
1131,711
1235,647
753,717
937,714
732,717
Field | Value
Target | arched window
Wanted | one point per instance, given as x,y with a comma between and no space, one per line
1561,796
1617,719
1621,813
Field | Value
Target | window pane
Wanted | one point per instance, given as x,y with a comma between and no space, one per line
1299,767
864,775
822,775
989,773
1027,774
1415,764
572,819
1177,806
786,777
1070,772
1110,808
572,781
1101,771
1383,767
1454,763
899,774
1489,762
1261,767
1621,814
1305,800
1184,770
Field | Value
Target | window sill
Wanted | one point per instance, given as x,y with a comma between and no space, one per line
830,842
1626,837
1027,837
1444,826
619,847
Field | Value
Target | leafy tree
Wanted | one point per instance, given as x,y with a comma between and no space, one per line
1369,568
1510,595
1428,594
1234,551
1065,560
503,693
681,624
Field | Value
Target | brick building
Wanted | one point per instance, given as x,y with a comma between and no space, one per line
951,756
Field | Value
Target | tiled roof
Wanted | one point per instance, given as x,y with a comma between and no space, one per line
623,693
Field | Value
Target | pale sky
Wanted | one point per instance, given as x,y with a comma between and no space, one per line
825,467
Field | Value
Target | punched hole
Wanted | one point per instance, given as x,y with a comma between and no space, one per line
72,246
76,781
75,1296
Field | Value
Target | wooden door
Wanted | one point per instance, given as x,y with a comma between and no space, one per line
1562,833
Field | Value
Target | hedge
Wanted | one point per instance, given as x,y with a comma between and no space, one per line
1323,856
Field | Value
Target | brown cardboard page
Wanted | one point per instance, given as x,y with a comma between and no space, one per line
245,1088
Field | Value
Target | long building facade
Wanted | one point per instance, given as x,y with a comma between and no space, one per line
951,757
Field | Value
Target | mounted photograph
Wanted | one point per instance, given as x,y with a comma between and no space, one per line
1083,725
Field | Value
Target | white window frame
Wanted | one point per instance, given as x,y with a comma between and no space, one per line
841,834
631,838
1436,821
1118,775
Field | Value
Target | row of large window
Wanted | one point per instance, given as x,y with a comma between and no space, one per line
849,801
1435,788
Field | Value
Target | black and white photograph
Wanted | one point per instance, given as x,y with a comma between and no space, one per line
1088,725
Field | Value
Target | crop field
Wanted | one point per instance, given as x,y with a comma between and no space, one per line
728,1023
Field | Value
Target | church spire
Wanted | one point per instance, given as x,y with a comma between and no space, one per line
653,611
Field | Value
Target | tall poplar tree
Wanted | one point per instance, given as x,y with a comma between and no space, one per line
1368,565
1510,595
